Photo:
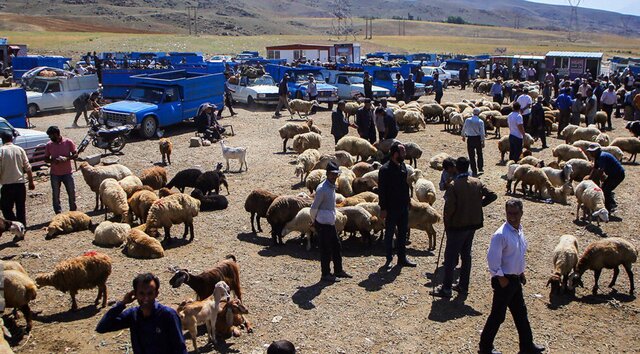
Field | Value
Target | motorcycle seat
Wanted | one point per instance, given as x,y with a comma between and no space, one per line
112,131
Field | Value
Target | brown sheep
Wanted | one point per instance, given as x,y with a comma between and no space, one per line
257,203
166,147
154,177
19,290
281,211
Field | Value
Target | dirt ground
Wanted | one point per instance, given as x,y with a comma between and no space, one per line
373,312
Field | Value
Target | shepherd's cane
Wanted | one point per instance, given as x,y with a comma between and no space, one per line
433,278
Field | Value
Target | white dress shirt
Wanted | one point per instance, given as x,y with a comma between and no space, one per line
473,126
506,251
514,119
609,97
525,100
323,209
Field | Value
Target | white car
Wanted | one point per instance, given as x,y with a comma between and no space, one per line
56,93
445,77
261,90
32,141
351,85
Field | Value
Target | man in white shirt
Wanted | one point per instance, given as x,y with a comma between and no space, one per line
525,102
516,132
473,133
506,260
609,99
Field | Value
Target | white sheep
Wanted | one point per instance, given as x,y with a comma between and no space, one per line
290,130
109,234
360,168
303,223
385,145
357,147
566,152
503,144
95,175
340,158
565,259
456,121
305,163
568,131
234,153
589,133
580,168
414,152
130,184
114,198
583,144
345,181
302,142
628,144
358,220
302,106
436,161
591,196
314,179
411,119
422,216
558,177
530,175
560,194
174,209
425,191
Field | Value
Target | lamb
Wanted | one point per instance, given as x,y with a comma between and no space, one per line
607,253
185,178
436,161
305,163
530,175
154,177
615,151
203,284
530,160
344,181
142,246
94,176
356,146
591,196
560,194
220,291
568,131
559,177
193,313
19,290
589,133
362,167
234,153
302,106
565,152
290,130
565,259
109,234
358,220
303,223
362,184
130,184
68,222
140,203
628,144
166,147
165,192
314,179
211,181
433,111
364,197
83,272
456,121
580,168
302,142
14,227
114,198
174,209
210,202
425,191
582,144
281,211
422,216
340,158
385,145
414,152
257,204
503,144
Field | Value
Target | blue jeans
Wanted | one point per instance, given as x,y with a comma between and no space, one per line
515,148
396,218
69,185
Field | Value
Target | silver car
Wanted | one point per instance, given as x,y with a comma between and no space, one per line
32,141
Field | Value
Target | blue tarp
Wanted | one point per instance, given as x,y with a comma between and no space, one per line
13,107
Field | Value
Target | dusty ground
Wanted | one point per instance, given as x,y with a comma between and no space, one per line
371,313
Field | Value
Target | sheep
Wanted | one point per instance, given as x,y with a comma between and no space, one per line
166,147
68,222
589,133
19,290
364,197
456,121
436,161
530,175
356,146
589,194
110,234
385,145
14,227
210,202
362,184
211,181
628,144
558,177
433,111
503,144
344,181
568,131
184,178
560,194
83,272
174,209
360,168
583,144
234,153
302,142
305,163
165,192
601,119
142,246
565,152
358,220
303,223
130,184
281,211
425,191
602,139
257,204
565,259
314,179
94,176
422,216
340,158
615,151
204,283
499,121
530,160
580,168
351,108
114,198
374,209
298,106
414,152
139,204
154,177
607,253
290,130
411,119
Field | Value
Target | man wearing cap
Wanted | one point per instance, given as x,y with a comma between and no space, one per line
365,122
538,123
393,192
323,213
604,162
283,95
564,106
58,153
473,133
608,100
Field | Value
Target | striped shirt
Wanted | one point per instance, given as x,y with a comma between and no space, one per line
473,126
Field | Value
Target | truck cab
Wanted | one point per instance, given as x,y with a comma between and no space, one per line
57,93
351,85
251,91
386,77
299,79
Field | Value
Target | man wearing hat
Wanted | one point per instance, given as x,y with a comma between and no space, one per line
473,133
283,95
323,213
393,192
608,100
607,164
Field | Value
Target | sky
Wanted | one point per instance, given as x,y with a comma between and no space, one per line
630,7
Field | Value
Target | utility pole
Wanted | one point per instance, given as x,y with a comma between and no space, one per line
192,13
573,20
189,18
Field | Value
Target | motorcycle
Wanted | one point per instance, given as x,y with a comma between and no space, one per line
102,137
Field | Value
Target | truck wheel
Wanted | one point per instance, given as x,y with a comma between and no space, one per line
445,84
149,127
251,103
117,144
32,110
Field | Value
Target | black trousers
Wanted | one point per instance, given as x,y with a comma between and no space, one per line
525,122
80,110
329,248
498,98
474,146
541,132
608,186
510,297
565,117
439,96
608,108
228,103
396,218
11,195
515,148
458,246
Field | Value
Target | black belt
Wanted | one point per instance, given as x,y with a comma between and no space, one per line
512,276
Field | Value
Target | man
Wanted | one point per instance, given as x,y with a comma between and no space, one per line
464,77
584,88
564,104
155,328
365,122
380,114
538,122
449,172
81,103
409,88
464,201
14,163
506,259
399,87
604,162
609,99
390,125
283,95
549,78
473,133
496,91
632,99
531,73
206,123
339,123
516,132
323,214
591,107
368,86
393,191
577,107
58,153
312,91
438,87
228,97
546,92
525,102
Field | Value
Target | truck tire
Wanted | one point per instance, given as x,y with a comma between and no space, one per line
32,110
251,103
149,127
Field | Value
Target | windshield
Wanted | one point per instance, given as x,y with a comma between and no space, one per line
356,79
427,71
38,86
6,128
454,66
394,75
264,80
302,76
146,94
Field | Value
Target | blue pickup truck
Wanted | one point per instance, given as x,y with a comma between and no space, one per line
298,79
386,77
163,99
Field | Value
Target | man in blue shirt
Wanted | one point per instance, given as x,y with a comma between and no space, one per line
604,162
155,328
564,105
437,87
496,91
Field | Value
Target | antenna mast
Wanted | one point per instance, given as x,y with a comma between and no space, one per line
573,20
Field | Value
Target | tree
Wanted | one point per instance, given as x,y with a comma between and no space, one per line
456,19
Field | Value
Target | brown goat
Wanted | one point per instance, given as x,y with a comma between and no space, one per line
204,283
166,147
231,319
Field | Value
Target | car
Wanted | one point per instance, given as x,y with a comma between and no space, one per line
262,90
351,85
32,141
445,77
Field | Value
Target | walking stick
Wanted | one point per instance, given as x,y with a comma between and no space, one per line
433,278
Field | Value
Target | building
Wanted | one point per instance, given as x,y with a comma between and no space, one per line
292,52
575,64
537,61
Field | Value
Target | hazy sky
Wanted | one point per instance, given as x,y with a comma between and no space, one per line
631,7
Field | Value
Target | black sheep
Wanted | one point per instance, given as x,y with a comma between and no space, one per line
211,181
210,202
185,178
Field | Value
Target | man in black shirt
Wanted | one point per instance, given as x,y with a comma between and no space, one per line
283,95
368,86
339,123
81,103
365,122
409,88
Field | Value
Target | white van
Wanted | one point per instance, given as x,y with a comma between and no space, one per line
56,93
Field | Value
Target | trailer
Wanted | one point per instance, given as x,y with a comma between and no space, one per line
575,64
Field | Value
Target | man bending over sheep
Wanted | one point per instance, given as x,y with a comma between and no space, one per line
155,328
604,162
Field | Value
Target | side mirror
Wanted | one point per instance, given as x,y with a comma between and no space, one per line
326,80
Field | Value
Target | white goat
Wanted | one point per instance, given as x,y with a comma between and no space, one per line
234,153
221,291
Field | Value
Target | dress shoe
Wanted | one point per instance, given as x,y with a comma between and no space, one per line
533,349
441,292
406,263
343,274
329,278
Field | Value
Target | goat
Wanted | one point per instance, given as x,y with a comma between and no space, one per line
234,153
204,283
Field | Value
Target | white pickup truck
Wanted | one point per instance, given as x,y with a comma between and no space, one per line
351,85
58,92
252,91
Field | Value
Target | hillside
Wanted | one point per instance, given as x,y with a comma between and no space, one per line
247,17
